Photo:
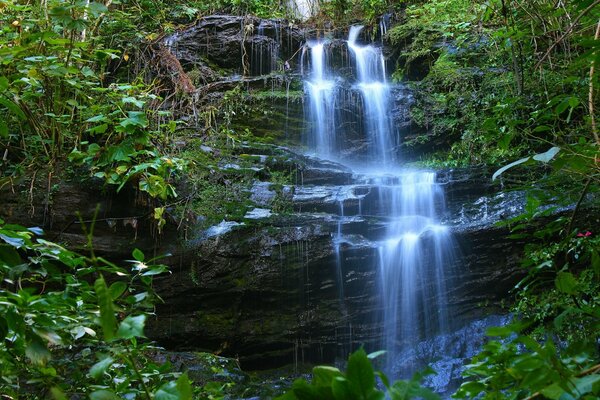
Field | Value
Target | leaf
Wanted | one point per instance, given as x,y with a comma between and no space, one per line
117,289
360,374
98,369
323,375
36,351
36,230
98,129
135,118
97,118
134,101
138,255
132,327
509,166
96,9
108,321
58,394
13,241
566,283
175,390
3,83
103,394
13,107
586,384
561,107
374,355
548,155
341,390
9,256
184,387
553,391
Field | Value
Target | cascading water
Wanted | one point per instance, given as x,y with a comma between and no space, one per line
412,254
321,92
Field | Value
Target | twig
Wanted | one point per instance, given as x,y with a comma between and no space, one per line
576,209
565,33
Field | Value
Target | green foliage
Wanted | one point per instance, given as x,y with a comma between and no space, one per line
519,366
52,316
58,96
492,85
358,382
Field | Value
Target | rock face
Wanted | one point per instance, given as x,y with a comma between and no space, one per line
269,293
240,44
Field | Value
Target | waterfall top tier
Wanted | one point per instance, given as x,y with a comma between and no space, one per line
350,120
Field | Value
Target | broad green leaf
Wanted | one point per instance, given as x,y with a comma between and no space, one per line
108,321
553,391
98,369
184,387
138,255
97,118
9,256
57,394
340,387
175,390
103,395
360,374
324,375
132,327
135,118
586,384
13,107
117,289
3,83
134,101
303,390
96,9
566,283
501,331
36,351
561,107
98,129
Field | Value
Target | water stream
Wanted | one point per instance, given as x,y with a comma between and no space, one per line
415,247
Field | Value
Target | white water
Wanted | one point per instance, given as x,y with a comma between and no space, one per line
321,93
415,247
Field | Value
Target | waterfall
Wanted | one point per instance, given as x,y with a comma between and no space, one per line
321,92
415,249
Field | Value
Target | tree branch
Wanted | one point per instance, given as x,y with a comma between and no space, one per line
564,35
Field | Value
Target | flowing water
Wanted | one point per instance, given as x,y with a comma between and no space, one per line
415,247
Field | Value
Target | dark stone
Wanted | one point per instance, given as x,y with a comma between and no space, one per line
271,295
229,41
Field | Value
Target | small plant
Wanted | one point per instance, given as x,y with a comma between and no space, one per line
72,325
357,383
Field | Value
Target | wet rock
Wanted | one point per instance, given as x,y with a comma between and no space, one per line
274,294
230,41
262,195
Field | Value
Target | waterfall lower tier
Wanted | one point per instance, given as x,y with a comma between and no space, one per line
415,248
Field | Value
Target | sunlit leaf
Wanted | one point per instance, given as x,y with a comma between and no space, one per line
132,327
